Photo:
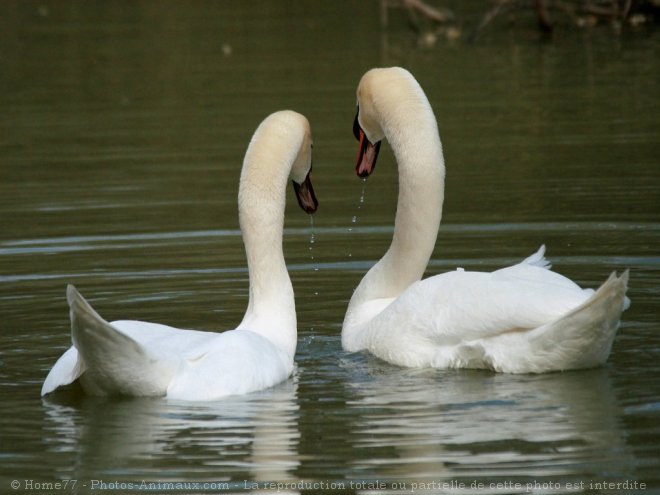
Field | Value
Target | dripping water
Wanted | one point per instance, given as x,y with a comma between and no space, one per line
354,219
312,241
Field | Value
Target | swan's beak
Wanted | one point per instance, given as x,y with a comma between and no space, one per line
367,153
305,194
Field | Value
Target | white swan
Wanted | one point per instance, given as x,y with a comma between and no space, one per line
148,359
520,319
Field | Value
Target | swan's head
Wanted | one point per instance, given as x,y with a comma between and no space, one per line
283,139
366,126
301,170
383,96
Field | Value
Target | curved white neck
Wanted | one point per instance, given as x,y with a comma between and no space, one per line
410,128
271,309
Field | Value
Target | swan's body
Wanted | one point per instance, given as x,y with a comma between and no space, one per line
521,319
148,359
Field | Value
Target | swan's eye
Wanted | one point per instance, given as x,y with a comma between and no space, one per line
356,125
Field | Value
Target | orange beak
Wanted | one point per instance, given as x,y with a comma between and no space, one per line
367,153
305,195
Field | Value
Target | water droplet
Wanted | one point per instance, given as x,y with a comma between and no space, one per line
312,241
354,218
312,238
362,195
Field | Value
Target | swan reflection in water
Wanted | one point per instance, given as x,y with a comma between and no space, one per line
418,425
402,424
252,437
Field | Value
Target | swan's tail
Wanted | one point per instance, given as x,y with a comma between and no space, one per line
580,339
112,362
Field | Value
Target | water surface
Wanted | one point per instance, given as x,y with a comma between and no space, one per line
123,130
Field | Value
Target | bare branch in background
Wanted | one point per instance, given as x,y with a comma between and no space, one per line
500,6
582,13
415,8
443,15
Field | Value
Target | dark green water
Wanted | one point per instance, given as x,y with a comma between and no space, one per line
122,131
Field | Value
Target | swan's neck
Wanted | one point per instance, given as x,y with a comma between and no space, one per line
413,136
421,167
271,308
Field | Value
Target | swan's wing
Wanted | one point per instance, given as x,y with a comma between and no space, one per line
235,362
115,362
582,338
453,309
460,306
163,341
66,370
